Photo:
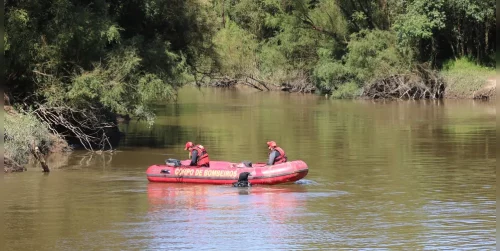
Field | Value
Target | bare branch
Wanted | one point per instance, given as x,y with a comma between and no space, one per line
43,74
421,84
87,126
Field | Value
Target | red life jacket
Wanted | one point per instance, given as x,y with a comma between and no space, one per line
202,157
281,158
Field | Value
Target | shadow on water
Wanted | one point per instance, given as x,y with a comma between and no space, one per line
157,136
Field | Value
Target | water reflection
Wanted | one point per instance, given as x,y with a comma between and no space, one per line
264,214
189,196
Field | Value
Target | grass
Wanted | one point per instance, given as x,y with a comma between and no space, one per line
463,77
22,132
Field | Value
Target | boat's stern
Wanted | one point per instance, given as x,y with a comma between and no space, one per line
300,169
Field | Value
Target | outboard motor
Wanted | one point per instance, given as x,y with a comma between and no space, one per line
173,162
247,163
243,164
243,180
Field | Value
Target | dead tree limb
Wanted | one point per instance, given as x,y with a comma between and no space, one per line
88,126
422,83
39,156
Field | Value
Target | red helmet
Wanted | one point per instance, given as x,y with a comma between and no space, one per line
188,145
271,144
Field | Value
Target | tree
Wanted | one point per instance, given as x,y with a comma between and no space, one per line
103,57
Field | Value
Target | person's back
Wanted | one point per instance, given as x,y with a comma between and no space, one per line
276,154
199,155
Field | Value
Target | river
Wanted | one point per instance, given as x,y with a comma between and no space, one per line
409,175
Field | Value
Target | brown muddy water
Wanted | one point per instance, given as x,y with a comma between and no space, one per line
390,175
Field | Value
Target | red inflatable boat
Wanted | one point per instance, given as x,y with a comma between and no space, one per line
223,172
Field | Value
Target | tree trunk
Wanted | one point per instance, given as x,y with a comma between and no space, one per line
6,99
41,159
453,49
486,42
433,51
223,16
460,44
478,47
383,6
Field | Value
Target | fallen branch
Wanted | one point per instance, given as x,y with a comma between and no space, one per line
247,82
259,81
420,84
9,165
88,126
300,84
227,82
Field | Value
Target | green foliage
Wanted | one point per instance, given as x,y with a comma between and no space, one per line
420,20
371,55
238,48
83,54
440,30
98,58
277,40
346,91
368,14
327,15
250,15
124,55
351,42
330,74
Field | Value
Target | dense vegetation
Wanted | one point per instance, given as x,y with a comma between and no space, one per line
75,64
122,55
340,46
119,55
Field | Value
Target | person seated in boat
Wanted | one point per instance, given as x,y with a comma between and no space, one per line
276,154
198,155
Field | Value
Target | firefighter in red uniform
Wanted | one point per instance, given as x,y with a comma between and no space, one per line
198,155
276,154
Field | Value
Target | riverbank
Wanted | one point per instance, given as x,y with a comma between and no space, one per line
456,79
466,80
26,138
459,83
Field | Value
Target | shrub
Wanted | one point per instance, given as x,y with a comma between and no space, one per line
349,90
22,132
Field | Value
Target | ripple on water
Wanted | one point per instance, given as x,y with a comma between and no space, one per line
306,182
